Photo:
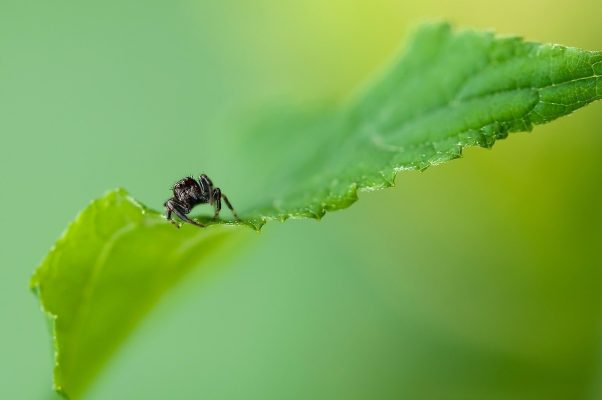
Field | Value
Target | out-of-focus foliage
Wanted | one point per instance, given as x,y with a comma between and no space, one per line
447,92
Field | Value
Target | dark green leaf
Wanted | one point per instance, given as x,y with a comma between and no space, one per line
447,91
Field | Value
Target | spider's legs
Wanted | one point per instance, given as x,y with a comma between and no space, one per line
230,206
206,187
217,199
177,208
168,215
218,196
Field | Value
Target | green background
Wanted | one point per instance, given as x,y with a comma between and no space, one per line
479,279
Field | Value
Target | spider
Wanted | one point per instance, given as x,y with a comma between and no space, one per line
188,192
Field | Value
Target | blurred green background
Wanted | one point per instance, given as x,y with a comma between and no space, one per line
479,279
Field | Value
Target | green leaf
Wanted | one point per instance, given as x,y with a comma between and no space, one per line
108,269
448,91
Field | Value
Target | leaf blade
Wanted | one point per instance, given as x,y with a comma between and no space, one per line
450,90
111,265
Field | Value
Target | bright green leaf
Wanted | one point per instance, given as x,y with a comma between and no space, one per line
448,91
110,266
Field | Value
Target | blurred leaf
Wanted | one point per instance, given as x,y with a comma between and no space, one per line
108,269
448,91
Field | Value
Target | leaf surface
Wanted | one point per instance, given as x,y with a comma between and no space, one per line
449,90
111,265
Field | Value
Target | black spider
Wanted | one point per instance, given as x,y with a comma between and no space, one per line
188,192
